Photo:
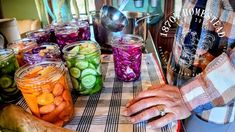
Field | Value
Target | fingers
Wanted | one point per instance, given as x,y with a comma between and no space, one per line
162,121
155,86
146,103
144,94
146,115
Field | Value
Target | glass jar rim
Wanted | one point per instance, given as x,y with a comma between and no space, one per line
24,40
38,31
20,73
138,43
9,52
68,47
56,50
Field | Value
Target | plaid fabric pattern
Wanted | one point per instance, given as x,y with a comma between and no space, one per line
199,52
102,112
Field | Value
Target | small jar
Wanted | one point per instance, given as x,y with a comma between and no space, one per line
46,91
127,55
66,35
22,46
84,63
83,29
44,52
41,35
8,65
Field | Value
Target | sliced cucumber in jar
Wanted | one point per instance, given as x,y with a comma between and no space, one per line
69,64
10,89
95,60
75,83
5,81
75,50
82,64
88,81
88,71
75,72
98,86
91,66
13,92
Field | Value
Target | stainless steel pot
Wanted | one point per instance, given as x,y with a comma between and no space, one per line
104,36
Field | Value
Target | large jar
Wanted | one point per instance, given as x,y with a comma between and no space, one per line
46,91
84,63
127,55
41,35
22,46
8,65
44,52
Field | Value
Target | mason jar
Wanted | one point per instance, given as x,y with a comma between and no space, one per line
21,46
83,29
44,52
41,35
84,63
8,65
127,55
46,91
66,35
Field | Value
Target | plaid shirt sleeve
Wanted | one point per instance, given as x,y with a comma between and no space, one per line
215,86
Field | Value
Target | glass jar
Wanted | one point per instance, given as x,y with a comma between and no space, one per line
22,46
66,35
47,95
84,63
44,52
8,65
41,35
127,55
83,29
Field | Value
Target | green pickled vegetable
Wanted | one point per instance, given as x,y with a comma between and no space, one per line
69,64
75,83
91,66
88,71
82,64
5,82
75,72
75,50
88,81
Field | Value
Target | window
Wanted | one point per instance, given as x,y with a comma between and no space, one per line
85,6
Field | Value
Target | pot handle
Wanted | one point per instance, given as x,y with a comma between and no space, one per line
123,5
136,23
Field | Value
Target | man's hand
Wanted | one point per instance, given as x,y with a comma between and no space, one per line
148,103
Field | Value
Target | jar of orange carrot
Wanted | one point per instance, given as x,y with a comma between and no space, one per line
46,91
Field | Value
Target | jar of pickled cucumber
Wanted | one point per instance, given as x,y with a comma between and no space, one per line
47,95
8,65
21,46
84,63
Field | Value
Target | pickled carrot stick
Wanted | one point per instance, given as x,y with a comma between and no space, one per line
31,102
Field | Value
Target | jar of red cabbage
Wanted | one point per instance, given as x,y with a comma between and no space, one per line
41,35
66,35
127,54
44,52
83,29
